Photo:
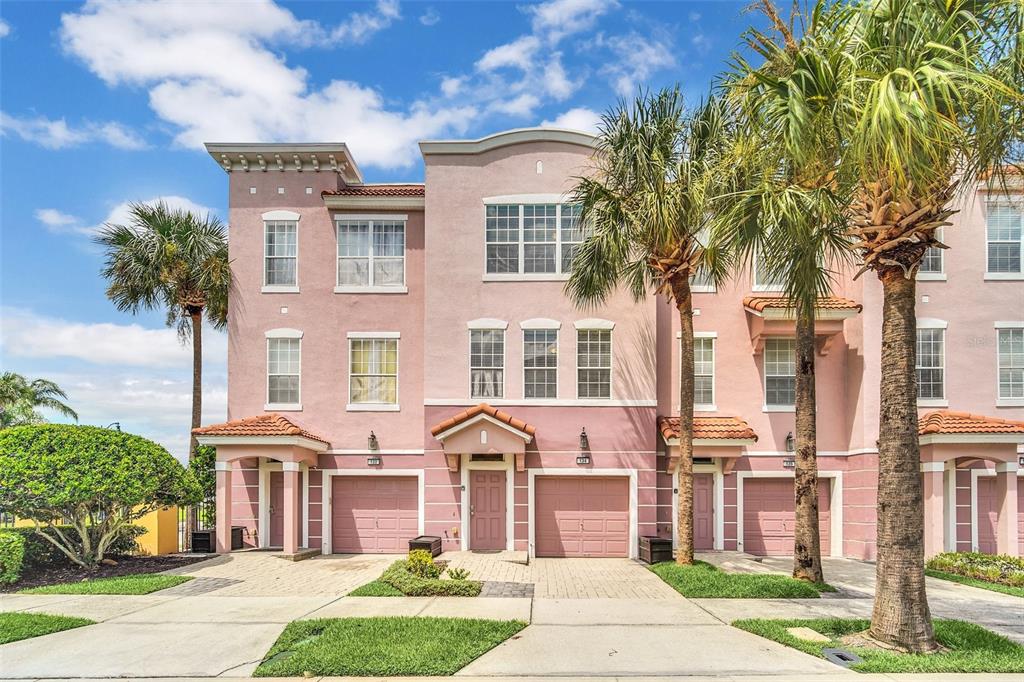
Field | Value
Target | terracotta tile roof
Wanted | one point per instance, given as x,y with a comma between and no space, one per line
759,303
382,190
947,421
270,424
482,408
710,428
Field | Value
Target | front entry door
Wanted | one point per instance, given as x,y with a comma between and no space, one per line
487,510
276,510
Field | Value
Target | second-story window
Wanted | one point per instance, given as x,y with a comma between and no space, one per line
1005,243
1011,363
373,371
281,253
487,363
531,239
593,363
283,371
371,253
704,372
779,372
763,279
930,364
932,264
540,363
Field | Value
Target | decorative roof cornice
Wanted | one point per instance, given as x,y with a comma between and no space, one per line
333,156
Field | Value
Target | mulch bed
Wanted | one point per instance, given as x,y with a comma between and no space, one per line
126,565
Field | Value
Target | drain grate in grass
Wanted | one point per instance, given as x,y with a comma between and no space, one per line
702,580
18,626
126,584
382,646
970,648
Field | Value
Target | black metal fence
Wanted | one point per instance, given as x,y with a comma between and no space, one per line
205,519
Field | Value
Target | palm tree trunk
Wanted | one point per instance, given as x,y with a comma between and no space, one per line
807,550
901,616
684,530
197,407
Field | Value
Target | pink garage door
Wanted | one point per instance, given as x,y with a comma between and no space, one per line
373,514
582,516
988,514
769,517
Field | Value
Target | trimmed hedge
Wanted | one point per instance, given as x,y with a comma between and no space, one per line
12,556
1001,569
398,576
39,553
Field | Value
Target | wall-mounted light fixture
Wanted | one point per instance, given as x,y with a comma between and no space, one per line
1020,461
373,461
790,442
584,439
371,442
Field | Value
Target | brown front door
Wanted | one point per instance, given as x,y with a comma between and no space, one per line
703,512
487,510
276,509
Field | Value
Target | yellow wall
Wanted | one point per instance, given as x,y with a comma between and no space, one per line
161,535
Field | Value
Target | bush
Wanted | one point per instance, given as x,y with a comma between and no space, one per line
40,553
1001,569
94,480
458,573
12,556
421,563
402,579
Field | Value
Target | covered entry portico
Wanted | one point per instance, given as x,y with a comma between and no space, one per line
278,445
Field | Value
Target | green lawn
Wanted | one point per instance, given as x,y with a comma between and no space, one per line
382,646
128,584
972,649
15,626
704,580
974,582
378,588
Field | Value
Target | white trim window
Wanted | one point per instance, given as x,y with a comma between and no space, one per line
762,279
1004,242
280,253
593,363
703,372
780,372
284,366
487,363
933,265
931,361
573,233
540,363
373,371
536,240
371,252
1010,344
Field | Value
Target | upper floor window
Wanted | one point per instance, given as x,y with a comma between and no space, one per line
532,239
594,363
933,262
1004,243
1011,363
280,253
704,372
931,361
763,279
779,372
540,363
486,363
284,349
373,370
371,252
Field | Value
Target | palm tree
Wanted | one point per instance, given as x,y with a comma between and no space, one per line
20,397
174,260
647,206
935,106
788,216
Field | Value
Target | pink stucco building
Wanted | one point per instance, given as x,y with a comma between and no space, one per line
403,361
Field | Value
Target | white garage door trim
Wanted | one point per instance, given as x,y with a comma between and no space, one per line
836,529
328,494
633,500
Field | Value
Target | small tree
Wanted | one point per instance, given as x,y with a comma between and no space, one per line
93,480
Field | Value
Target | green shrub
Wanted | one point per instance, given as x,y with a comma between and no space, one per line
458,573
1001,569
12,556
402,579
40,553
421,563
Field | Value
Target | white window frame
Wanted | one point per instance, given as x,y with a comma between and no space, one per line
942,325
1004,201
521,201
939,276
487,325
558,352
370,287
713,336
767,407
272,335
595,325
376,407
1000,400
280,217
754,286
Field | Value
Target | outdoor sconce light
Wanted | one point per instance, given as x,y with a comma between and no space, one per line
371,442
1020,461
790,442
373,461
584,440
789,463
583,459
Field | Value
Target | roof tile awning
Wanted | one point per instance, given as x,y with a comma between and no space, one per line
947,426
708,430
769,316
382,196
780,308
267,428
467,433
472,414
381,190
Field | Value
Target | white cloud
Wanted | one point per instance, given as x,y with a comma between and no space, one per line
25,334
430,17
58,222
214,74
57,134
523,105
5,29
361,26
637,57
519,54
577,118
701,42
559,18
451,86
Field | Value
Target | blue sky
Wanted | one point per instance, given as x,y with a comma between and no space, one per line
105,103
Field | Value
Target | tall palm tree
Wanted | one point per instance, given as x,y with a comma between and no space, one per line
20,398
788,216
174,260
647,206
935,107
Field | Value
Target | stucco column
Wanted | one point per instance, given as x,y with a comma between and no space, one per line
1006,503
291,507
223,507
933,474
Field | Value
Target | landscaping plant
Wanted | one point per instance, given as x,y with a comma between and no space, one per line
399,576
421,563
12,556
458,573
1002,569
83,486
